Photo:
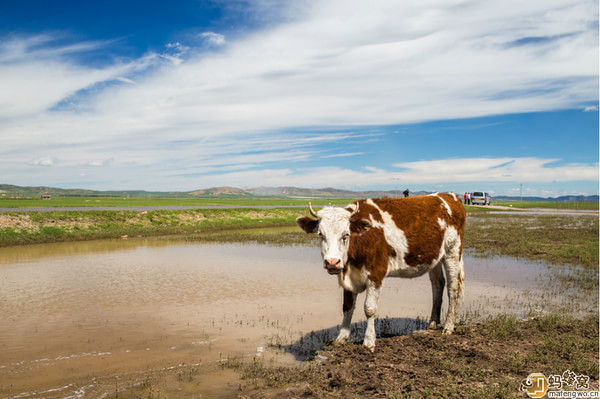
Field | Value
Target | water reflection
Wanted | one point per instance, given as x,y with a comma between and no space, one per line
91,313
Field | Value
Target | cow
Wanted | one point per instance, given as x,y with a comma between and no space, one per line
371,239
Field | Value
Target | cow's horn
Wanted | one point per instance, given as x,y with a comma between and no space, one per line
312,211
355,210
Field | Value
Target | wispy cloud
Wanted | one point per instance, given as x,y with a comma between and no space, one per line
212,39
44,161
326,64
496,170
523,170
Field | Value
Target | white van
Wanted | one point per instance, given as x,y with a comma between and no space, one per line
480,198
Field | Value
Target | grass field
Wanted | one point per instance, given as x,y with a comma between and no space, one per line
19,228
69,201
549,205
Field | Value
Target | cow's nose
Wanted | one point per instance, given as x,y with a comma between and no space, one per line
332,263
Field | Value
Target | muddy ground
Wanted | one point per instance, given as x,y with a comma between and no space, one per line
484,360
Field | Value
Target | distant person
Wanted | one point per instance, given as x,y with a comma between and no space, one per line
466,196
469,199
406,192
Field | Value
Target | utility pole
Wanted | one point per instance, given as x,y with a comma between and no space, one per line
521,192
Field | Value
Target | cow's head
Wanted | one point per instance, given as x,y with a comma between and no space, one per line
335,227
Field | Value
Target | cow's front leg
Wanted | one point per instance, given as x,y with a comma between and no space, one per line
371,311
348,309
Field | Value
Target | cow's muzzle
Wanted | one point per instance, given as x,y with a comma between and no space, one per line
333,266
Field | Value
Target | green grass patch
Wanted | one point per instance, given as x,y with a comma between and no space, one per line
41,227
575,205
556,239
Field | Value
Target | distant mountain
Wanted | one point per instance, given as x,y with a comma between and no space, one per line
219,192
11,190
565,198
8,190
328,192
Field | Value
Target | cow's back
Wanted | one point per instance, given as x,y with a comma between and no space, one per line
413,230
418,214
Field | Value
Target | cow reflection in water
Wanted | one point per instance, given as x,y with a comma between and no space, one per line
372,239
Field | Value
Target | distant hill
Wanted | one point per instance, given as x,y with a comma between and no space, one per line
220,192
328,192
11,190
565,198
8,190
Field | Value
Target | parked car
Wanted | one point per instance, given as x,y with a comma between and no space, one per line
480,198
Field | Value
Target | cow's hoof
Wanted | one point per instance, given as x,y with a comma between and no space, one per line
448,331
343,337
370,346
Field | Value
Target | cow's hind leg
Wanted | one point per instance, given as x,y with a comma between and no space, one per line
371,311
455,274
348,308
436,275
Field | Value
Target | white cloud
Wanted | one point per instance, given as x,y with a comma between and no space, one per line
534,170
450,172
335,63
44,161
212,39
101,163
36,74
125,80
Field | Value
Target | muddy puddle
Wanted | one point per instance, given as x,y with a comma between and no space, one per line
112,318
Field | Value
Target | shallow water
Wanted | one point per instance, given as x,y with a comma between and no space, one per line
93,318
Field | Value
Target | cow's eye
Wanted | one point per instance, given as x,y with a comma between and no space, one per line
322,237
345,237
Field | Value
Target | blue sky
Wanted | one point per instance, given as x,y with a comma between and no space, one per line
175,96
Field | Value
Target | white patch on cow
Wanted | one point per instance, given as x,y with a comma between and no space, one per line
393,235
451,239
396,238
354,279
454,196
446,205
442,223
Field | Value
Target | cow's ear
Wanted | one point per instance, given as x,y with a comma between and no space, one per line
307,224
359,226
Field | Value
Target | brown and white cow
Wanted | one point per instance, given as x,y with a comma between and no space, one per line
372,239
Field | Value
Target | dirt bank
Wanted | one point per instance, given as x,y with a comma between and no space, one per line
483,360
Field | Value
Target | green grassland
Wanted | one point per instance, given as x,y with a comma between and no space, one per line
20,228
576,205
154,201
